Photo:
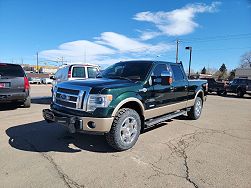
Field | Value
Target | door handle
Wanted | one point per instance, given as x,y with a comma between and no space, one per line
171,88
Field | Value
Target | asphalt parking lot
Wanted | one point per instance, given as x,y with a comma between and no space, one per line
214,151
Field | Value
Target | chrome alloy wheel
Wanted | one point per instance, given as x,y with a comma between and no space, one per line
128,130
198,108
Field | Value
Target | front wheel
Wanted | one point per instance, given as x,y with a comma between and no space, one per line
196,110
125,129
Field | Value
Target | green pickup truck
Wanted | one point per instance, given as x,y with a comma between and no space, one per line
125,99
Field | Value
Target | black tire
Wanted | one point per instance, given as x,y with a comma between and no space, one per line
115,136
27,102
218,92
194,113
240,93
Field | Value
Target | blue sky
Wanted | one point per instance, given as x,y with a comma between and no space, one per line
108,31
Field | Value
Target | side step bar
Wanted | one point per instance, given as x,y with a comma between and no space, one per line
152,122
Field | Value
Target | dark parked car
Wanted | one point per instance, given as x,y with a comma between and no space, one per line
214,86
14,85
240,86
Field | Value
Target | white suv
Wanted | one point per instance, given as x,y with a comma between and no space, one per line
74,72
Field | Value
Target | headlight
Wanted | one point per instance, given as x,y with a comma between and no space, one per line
98,101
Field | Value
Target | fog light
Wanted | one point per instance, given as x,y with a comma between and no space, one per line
91,124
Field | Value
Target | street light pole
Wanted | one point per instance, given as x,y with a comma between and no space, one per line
190,60
177,51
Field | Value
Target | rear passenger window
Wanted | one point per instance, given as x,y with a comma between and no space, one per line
78,72
178,74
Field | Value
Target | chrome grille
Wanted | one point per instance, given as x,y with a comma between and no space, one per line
66,104
71,98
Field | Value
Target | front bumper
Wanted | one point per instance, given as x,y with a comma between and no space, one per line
77,123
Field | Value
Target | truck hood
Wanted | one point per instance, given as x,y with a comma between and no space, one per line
99,83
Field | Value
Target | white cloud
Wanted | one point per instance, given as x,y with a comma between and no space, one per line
176,22
107,49
146,35
125,44
76,50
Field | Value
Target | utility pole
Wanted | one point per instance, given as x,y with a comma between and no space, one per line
37,63
62,60
177,50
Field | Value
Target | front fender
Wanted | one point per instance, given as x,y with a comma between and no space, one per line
123,99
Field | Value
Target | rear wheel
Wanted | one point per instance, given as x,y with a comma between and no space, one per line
125,129
27,102
195,111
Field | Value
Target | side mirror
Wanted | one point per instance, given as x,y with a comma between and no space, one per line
52,77
166,78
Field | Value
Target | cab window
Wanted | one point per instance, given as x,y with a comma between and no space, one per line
92,72
78,72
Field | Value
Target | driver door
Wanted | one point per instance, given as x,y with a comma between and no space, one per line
159,96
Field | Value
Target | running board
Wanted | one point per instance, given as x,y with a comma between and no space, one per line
152,122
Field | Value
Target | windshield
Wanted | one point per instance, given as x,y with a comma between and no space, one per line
132,70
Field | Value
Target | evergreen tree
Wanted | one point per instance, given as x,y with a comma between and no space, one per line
223,68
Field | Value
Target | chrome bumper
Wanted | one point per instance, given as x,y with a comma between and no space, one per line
79,124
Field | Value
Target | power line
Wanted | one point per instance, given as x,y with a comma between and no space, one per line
216,38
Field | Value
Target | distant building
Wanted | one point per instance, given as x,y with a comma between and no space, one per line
29,68
49,70
243,73
35,75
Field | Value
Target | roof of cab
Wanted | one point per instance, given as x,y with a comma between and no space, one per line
152,61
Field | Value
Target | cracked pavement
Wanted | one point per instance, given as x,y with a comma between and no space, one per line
214,151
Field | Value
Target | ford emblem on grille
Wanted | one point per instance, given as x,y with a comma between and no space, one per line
64,97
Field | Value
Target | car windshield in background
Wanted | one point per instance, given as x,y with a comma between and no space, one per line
7,70
133,70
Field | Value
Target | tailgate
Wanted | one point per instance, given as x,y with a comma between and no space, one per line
11,85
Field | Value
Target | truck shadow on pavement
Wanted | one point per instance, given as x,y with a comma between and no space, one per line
43,137
41,100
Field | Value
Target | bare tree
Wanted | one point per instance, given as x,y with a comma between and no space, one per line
246,60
